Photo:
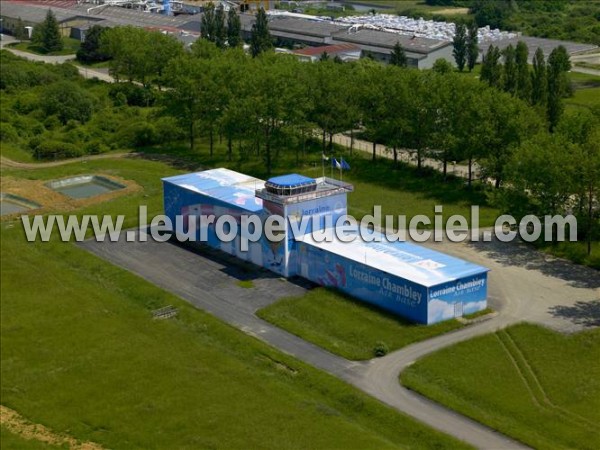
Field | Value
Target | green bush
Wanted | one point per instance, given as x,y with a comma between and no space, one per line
168,130
8,133
48,149
27,126
68,101
380,349
137,134
94,148
135,95
52,122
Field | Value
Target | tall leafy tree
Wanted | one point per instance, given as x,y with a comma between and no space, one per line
208,24
220,37
332,103
512,123
398,56
582,128
590,181
138,55
47,34
394,124
545,167
182,100
19,31
261,40
491,71
448,102
472,46
164,49
539,79
558,66
491,12
89,51
476,133
509,76
523,76
234,28
460,50
422,115
278,101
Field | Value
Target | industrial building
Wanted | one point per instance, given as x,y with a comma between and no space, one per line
375,36
408,280
345,52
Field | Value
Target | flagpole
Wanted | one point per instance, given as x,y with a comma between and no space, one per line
323,163
341,169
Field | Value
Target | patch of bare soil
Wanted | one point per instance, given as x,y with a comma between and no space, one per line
55,202
17,424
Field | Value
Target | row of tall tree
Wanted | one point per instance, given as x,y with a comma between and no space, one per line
269,104
220,28
466,46
545,85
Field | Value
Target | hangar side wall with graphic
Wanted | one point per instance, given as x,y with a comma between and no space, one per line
374,286
422,304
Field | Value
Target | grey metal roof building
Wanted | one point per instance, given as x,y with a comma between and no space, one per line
295,31
34,14
385,39
421,52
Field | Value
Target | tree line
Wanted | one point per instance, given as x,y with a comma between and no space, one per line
544,86
270,104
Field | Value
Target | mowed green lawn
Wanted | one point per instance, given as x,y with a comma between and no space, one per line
82,355
536,385
585,98
346,326
70,47
406,192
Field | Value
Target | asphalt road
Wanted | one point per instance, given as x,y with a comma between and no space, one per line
524,285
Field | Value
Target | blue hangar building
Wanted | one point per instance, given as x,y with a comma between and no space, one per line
409,280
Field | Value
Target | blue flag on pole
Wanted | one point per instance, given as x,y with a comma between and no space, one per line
335,163
345,165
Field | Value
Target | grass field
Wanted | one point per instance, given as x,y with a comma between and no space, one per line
345,326
528,382
81,354
70,47
587,91
13,441
405,192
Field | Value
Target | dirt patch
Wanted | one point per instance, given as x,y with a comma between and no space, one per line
17,424
40,165
55,202
450,11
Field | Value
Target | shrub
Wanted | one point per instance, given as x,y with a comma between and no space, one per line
68,101
137,134
380,349
47,149
168,130
94,147
8,133
135,95
51,122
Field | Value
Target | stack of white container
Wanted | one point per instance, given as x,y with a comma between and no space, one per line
418,27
